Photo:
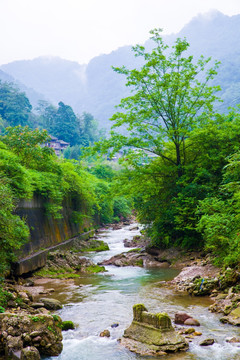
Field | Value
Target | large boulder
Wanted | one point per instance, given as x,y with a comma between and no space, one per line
136,257
233,318
152,334
21,334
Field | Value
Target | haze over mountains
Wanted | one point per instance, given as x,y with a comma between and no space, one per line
96,88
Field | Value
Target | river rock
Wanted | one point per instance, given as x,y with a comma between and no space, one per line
152,334
37,305
207,342
192,322
202,286
180,317
135,257
30,353
51,304
134,228
105,333
137,241
24,296
233,340
229,278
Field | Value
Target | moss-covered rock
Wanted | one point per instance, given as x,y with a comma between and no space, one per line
152,334
67,325
91,245
202,286
30,353
23,334
229,278
233,318
94,269
67,264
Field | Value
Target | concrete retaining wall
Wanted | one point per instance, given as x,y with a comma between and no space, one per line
39,259
46,233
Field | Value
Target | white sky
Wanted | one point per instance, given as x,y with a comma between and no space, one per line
81,29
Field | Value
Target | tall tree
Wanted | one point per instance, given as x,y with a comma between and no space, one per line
172,99
171,95
89,132
66,125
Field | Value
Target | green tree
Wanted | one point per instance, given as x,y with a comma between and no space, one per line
15,107
160,131
89,130
28,145
170,97
66,124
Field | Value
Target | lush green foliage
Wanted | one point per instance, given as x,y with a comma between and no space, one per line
27,169
168,101
112,205
220,220
15,107
170,115
27,144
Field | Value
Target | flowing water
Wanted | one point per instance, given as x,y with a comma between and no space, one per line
95,302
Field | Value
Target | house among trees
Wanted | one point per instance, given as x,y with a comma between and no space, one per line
57,145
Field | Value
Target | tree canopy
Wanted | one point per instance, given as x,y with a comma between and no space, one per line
171,96
15,107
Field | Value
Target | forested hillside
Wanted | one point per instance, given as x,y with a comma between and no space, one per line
28,169
95,88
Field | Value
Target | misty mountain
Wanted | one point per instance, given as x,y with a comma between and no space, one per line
96,88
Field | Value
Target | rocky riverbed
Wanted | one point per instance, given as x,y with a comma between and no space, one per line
29,298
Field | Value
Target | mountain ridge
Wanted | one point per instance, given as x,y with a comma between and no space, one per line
97,89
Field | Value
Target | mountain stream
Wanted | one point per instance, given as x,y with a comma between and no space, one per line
95,302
